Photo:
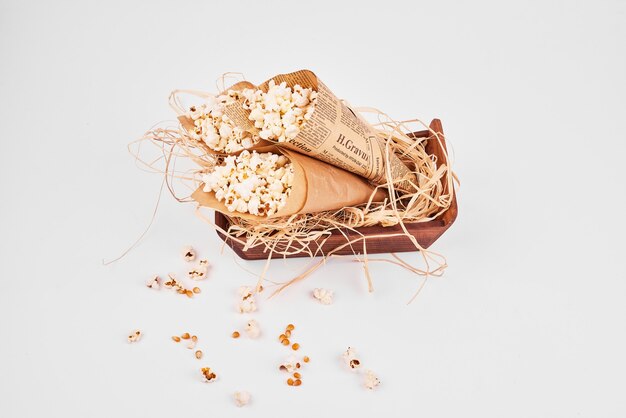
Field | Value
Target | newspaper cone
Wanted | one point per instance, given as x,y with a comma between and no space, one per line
335,134
317,187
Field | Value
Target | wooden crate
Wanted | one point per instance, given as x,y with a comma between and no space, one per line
425,232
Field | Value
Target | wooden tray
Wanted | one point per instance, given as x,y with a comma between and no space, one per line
425,232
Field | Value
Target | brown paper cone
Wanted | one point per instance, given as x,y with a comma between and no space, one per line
317,187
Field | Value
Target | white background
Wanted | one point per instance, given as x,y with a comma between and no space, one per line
528,320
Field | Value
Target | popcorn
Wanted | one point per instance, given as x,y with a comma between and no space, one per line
349,358
172,283
134,336
370,380
252,182
290,365
246,303
325,296
241,398
252,329
192,342
199,271
208,376
189,254
154,283
281,112
216,129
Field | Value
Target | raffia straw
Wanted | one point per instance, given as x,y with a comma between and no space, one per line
305,234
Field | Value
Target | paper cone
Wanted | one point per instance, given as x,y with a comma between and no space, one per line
337,135
317,187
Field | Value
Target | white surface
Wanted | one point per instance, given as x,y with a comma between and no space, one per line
529,318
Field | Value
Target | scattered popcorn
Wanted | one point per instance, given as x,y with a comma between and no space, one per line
349,357
371,381
325,296
198,354
246,302
252,329
241,398
252,182
208,376
172,283
154,283
192,342
189,254
134,336
199,271
281,112
290,365
212,126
